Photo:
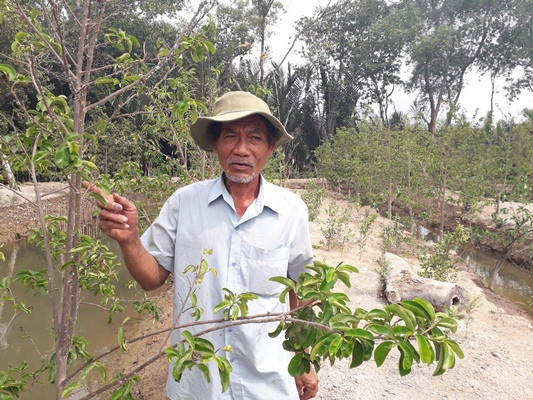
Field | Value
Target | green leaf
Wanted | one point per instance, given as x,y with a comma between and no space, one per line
284,281
101,199
378,314
224,369
89,165
189,338
41,155
427,306
406,358
406,315
205,372
449,323
427,355
455,347
449,357
381,352
210,47
357,354
299,365
348,268
313,332
400,330
283,295
344,278
324,341
65,393
204,346
8,71
329,284
163,52
381,330
103,81
359,333
21,36
121,339
62,156
334,346
98,365
278,330
416,308
220,306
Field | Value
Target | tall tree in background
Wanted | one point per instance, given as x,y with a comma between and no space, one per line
450,38
244,28
355,54
510,49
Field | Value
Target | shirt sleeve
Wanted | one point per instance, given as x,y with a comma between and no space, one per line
301,251
160,238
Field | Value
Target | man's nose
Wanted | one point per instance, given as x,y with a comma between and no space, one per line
241,146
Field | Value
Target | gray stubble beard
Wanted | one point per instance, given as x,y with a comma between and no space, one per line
239,179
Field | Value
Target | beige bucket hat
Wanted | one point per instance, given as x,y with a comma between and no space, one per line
231,107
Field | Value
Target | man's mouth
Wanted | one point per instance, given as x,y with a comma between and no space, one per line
241,164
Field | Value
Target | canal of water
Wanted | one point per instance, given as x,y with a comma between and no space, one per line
505,278
27,338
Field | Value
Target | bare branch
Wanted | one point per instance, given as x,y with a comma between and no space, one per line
162,61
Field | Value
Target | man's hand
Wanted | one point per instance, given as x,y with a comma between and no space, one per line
118,218
307,385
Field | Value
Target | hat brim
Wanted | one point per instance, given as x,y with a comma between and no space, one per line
199,130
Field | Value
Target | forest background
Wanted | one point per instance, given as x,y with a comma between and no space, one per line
106,91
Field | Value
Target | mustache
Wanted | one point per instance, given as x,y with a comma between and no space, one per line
241,161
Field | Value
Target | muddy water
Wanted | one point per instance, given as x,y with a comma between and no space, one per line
516,284
507,279
26,337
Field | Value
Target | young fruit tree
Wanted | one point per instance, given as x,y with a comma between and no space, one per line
69,72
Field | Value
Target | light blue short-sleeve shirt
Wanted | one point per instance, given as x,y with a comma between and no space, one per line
270,239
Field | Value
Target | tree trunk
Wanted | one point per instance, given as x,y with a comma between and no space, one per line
11,181
402,284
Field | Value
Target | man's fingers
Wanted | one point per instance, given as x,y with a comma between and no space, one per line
110,201
123,202
106,215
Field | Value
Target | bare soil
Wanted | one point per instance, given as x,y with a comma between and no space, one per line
495,336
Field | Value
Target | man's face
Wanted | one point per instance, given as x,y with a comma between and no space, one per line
243,149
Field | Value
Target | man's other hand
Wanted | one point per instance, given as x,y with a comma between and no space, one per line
307,385
118,218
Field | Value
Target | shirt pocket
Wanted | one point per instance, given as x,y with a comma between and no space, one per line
261,265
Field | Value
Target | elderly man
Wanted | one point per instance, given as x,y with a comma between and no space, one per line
255,229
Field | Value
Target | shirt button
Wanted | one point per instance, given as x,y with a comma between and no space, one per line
237,228
233,264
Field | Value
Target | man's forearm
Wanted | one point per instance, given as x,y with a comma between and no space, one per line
143,266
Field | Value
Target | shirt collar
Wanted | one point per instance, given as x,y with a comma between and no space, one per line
267,194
